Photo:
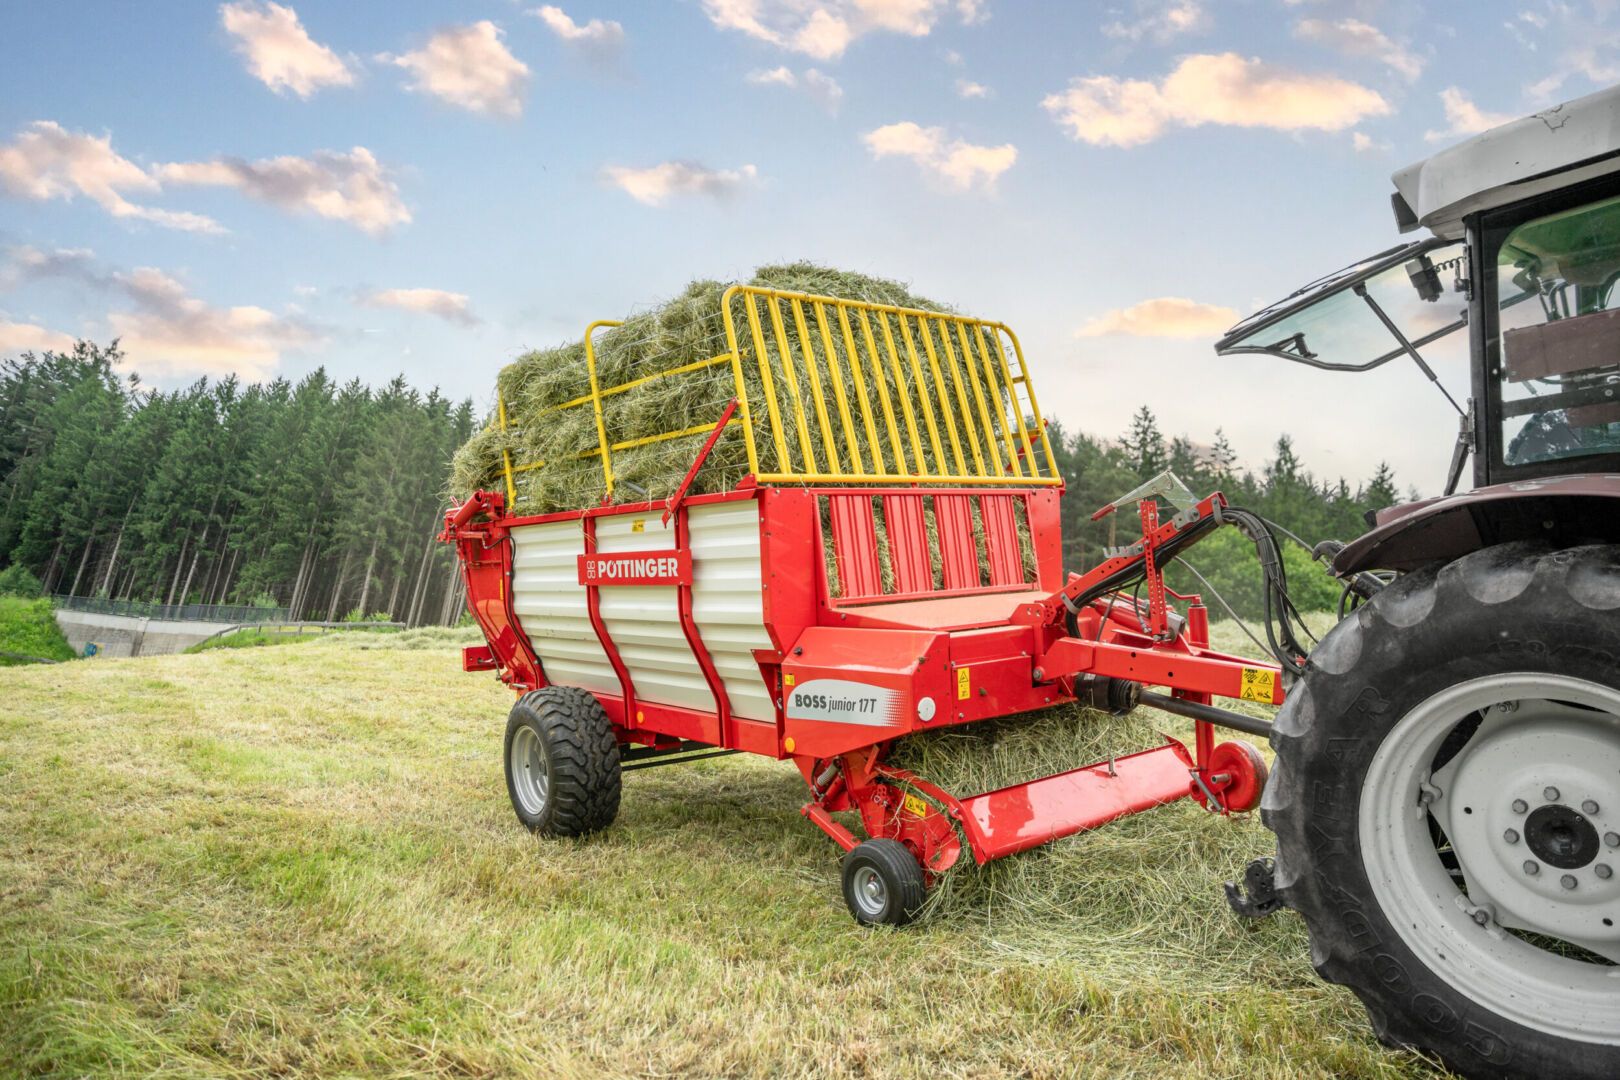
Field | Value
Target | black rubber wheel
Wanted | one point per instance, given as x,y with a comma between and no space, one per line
562,762
1400,693
883,883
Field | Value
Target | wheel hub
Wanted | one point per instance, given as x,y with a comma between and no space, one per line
1505,803
1560,837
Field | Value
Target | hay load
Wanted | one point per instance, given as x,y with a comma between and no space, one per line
552,442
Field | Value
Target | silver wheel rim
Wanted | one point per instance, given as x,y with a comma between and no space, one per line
531,774
871,894
1538,778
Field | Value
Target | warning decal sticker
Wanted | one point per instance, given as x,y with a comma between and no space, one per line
1258,684
964,687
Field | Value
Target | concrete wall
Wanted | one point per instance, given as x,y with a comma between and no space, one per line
125,635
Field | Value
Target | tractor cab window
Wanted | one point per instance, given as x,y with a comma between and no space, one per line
1357,319
1558,317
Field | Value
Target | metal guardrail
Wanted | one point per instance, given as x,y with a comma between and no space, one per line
25,658
292,628
141,609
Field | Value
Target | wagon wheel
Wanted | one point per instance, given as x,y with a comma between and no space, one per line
1447,811
562,762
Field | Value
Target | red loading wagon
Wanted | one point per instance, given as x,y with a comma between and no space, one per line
890,565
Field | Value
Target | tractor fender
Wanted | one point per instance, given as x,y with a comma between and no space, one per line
1561,510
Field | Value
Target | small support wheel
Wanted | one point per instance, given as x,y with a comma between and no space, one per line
883,883
1247,769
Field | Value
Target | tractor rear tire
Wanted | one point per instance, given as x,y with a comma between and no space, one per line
1433,724
562,762
883,883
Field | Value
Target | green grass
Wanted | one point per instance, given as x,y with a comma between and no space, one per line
292,862
28,627
254,637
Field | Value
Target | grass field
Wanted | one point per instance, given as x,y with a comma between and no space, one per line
301,861
28,629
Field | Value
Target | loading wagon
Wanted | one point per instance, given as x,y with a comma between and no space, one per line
898,572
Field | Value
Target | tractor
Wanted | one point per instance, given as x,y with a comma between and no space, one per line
1446,791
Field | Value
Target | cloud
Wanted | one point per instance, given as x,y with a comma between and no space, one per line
817,85
1463,117
961,165
656,184
166,331
352,188
1353,37
1366,143
46,161
967,88
450,306
823,29
16,337
1161,20
469,67
1165,317
1203,89
279,51
600,40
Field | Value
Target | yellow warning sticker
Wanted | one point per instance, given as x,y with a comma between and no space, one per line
787,680
1258,684
916,806
638,525
963,686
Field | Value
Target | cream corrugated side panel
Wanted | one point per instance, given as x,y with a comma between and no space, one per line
644,621
727,602
551,607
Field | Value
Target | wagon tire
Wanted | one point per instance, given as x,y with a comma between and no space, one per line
562,762
1390,798
883,883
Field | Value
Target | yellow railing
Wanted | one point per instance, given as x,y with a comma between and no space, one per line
938,403
941,388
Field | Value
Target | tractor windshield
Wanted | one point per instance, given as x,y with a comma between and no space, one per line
1355,320
1557,362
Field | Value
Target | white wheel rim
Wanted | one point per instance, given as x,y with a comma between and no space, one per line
1534,747
531,774
871,894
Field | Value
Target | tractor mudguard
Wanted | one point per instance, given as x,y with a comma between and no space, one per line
1565,511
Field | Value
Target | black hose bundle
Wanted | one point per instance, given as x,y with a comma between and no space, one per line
1282,617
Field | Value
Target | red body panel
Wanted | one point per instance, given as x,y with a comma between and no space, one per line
882,652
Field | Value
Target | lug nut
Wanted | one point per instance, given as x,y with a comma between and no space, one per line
1567,881
1511,836
1482,916
1532,867
1612,839
1589,807
1520,806
1550,794
1603,871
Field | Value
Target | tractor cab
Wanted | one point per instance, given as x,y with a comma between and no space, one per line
1509,304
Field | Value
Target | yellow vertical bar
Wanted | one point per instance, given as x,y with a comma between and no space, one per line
596,403
807,350
763,363
941,466
737,379
792,377
872,446
1034,405
961,397
990,437
506,452
900,390
837,376
883,395
943,394
1012,397
1000,414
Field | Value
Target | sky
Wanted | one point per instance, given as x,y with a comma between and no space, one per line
424,188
